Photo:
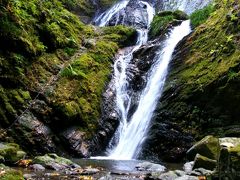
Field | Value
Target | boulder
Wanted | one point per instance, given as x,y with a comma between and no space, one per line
75,139
147,166
208,147
53,161
204,162
11,153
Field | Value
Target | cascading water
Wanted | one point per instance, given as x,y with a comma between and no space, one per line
127,141
134,132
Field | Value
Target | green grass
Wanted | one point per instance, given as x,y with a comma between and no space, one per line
201,15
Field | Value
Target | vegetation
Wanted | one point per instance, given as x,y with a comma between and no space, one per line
58,61
200,16
204,80
163,20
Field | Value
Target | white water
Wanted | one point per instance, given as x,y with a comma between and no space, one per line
104,18
134,132
131,133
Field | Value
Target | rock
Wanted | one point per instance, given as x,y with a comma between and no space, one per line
147,166
166,141
37,136
37,167
29,176
11,153
188,167
75,139
171,175
52,161
179,173
208,147
204,162
187,177
90,171
201,172
134,14
229,141
229,162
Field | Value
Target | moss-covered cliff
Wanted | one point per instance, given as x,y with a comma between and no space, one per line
202,90
53,71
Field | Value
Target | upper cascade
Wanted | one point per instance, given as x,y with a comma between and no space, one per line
188,6
128,12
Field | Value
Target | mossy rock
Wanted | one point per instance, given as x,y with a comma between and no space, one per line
204,162
10,174
51,158
235,157
11,152
208,147
165,19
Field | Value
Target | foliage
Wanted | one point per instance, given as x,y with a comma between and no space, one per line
200,16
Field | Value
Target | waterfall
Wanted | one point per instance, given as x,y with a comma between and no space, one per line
128,138
134,132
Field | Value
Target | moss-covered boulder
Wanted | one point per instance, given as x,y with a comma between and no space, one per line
7,173
208,147
204,162
11,153
53,161
165,19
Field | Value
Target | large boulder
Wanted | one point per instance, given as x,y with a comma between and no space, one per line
53,161
208,147
10,153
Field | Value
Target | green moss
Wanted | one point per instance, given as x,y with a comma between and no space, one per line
51,158
206,76
200,16
11,152
163,20
10,174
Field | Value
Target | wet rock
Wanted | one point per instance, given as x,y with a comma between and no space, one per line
187,177
52,161
29,176
90,171
147,166
11,153
168,175
37,167
135,14
35,135
204,162
166,141
229,162
208,147
188,167
201,172
75,139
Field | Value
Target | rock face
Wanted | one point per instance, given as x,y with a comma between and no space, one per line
201,92
134,14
